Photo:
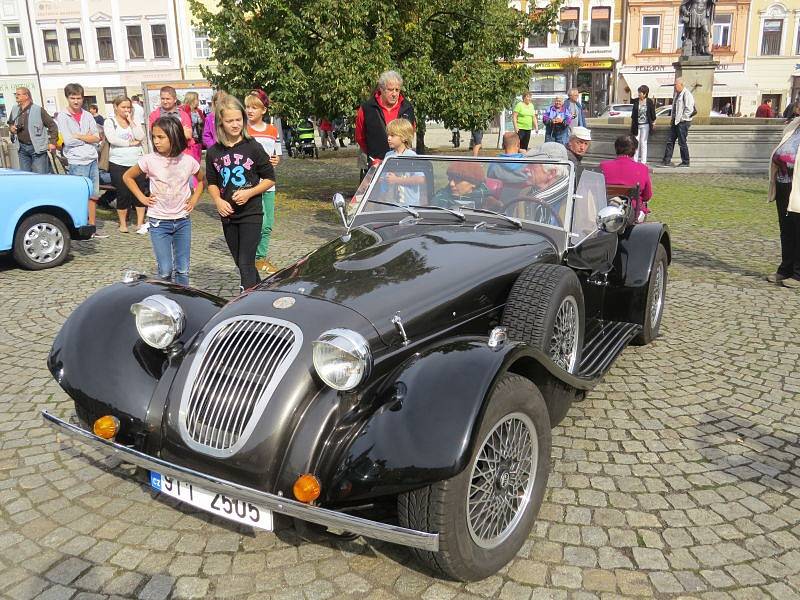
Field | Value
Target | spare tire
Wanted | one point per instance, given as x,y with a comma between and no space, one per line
545,310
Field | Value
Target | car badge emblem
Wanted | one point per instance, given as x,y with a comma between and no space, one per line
284,302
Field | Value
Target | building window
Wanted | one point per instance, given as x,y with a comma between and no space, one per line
51,53
15,47
135,46
202,49
721,35
75,45
569,27
105,47
160,46
771,37
9,8
651,27
601,26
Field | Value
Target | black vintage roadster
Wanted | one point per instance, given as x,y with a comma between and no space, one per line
401,381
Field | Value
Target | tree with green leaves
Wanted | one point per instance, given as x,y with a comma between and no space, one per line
459,58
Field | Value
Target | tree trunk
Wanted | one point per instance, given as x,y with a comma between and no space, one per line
421,135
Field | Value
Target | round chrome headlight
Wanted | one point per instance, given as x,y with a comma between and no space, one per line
159,320
342,358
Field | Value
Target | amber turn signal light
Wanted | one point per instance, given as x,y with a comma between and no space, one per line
106,427
307,488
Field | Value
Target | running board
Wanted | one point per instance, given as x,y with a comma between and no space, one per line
603,343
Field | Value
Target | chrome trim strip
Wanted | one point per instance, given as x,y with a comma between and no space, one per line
285,506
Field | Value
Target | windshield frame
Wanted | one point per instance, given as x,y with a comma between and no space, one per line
568,215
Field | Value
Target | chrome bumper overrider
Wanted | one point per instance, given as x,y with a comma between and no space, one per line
278,504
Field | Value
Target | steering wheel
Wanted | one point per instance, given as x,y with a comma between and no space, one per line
542,211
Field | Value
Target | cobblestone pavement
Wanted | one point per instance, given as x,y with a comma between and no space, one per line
677,476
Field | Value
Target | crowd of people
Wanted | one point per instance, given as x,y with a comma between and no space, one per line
155,168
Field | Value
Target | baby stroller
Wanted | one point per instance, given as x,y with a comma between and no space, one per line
303,143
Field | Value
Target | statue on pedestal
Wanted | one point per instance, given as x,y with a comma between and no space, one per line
697,17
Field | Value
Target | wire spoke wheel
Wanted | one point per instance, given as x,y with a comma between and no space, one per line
502,480
564,341
657,301
43,242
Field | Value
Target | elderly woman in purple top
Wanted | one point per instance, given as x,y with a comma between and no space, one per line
623,170
556,121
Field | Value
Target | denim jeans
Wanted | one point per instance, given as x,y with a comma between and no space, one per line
29,160
89,171
678,132
172,244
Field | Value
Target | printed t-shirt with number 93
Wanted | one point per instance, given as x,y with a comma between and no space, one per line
237,167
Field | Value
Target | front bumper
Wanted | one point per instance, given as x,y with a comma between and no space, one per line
85,232
278,504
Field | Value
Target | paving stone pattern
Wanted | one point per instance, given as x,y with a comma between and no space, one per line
677,476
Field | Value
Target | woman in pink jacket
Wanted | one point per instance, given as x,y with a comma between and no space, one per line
623,170
210,125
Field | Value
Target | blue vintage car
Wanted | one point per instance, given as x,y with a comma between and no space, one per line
41,214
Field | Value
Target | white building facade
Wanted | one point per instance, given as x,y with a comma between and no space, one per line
111,47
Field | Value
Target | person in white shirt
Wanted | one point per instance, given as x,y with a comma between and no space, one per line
682,113
125,138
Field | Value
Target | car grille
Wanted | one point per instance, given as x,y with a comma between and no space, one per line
236,370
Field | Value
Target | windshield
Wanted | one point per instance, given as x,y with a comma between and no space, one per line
521,188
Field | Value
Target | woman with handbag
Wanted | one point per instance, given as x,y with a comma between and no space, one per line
124,140
643,117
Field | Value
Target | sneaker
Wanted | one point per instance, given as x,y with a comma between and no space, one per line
266,267
98,236
683,165
143,229
792,283
775,278
665,163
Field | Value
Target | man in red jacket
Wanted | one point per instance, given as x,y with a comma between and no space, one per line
372,117
764,111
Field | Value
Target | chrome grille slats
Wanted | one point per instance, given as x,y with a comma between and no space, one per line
272,339
228,380
208,393
232,378
199,390
244,398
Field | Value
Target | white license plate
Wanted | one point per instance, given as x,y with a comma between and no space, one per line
216,504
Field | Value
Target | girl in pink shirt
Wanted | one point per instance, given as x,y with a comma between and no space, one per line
171,199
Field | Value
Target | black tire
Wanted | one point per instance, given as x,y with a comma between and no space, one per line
442,507
654,309
529,317
41,241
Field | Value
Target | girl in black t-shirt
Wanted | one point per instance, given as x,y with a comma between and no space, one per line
238,172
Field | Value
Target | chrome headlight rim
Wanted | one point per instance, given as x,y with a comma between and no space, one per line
349,342
165,307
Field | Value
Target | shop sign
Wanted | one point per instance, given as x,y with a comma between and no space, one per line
725,67
556,65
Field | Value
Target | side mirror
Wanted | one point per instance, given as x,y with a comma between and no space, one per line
338,206
611,219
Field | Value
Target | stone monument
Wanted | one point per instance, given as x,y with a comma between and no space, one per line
697,65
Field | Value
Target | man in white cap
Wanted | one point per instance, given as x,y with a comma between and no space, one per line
580,138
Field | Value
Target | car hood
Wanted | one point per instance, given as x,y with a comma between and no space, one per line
432,275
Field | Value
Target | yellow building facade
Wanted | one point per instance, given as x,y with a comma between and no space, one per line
652,43
582,52
773,52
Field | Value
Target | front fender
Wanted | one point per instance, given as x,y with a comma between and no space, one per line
98,356
626,295
424,427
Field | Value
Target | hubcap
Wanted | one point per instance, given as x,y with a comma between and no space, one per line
658,296
564,343
43,242
502,480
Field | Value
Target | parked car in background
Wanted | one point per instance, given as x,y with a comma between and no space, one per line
617,110
401,381
41,214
